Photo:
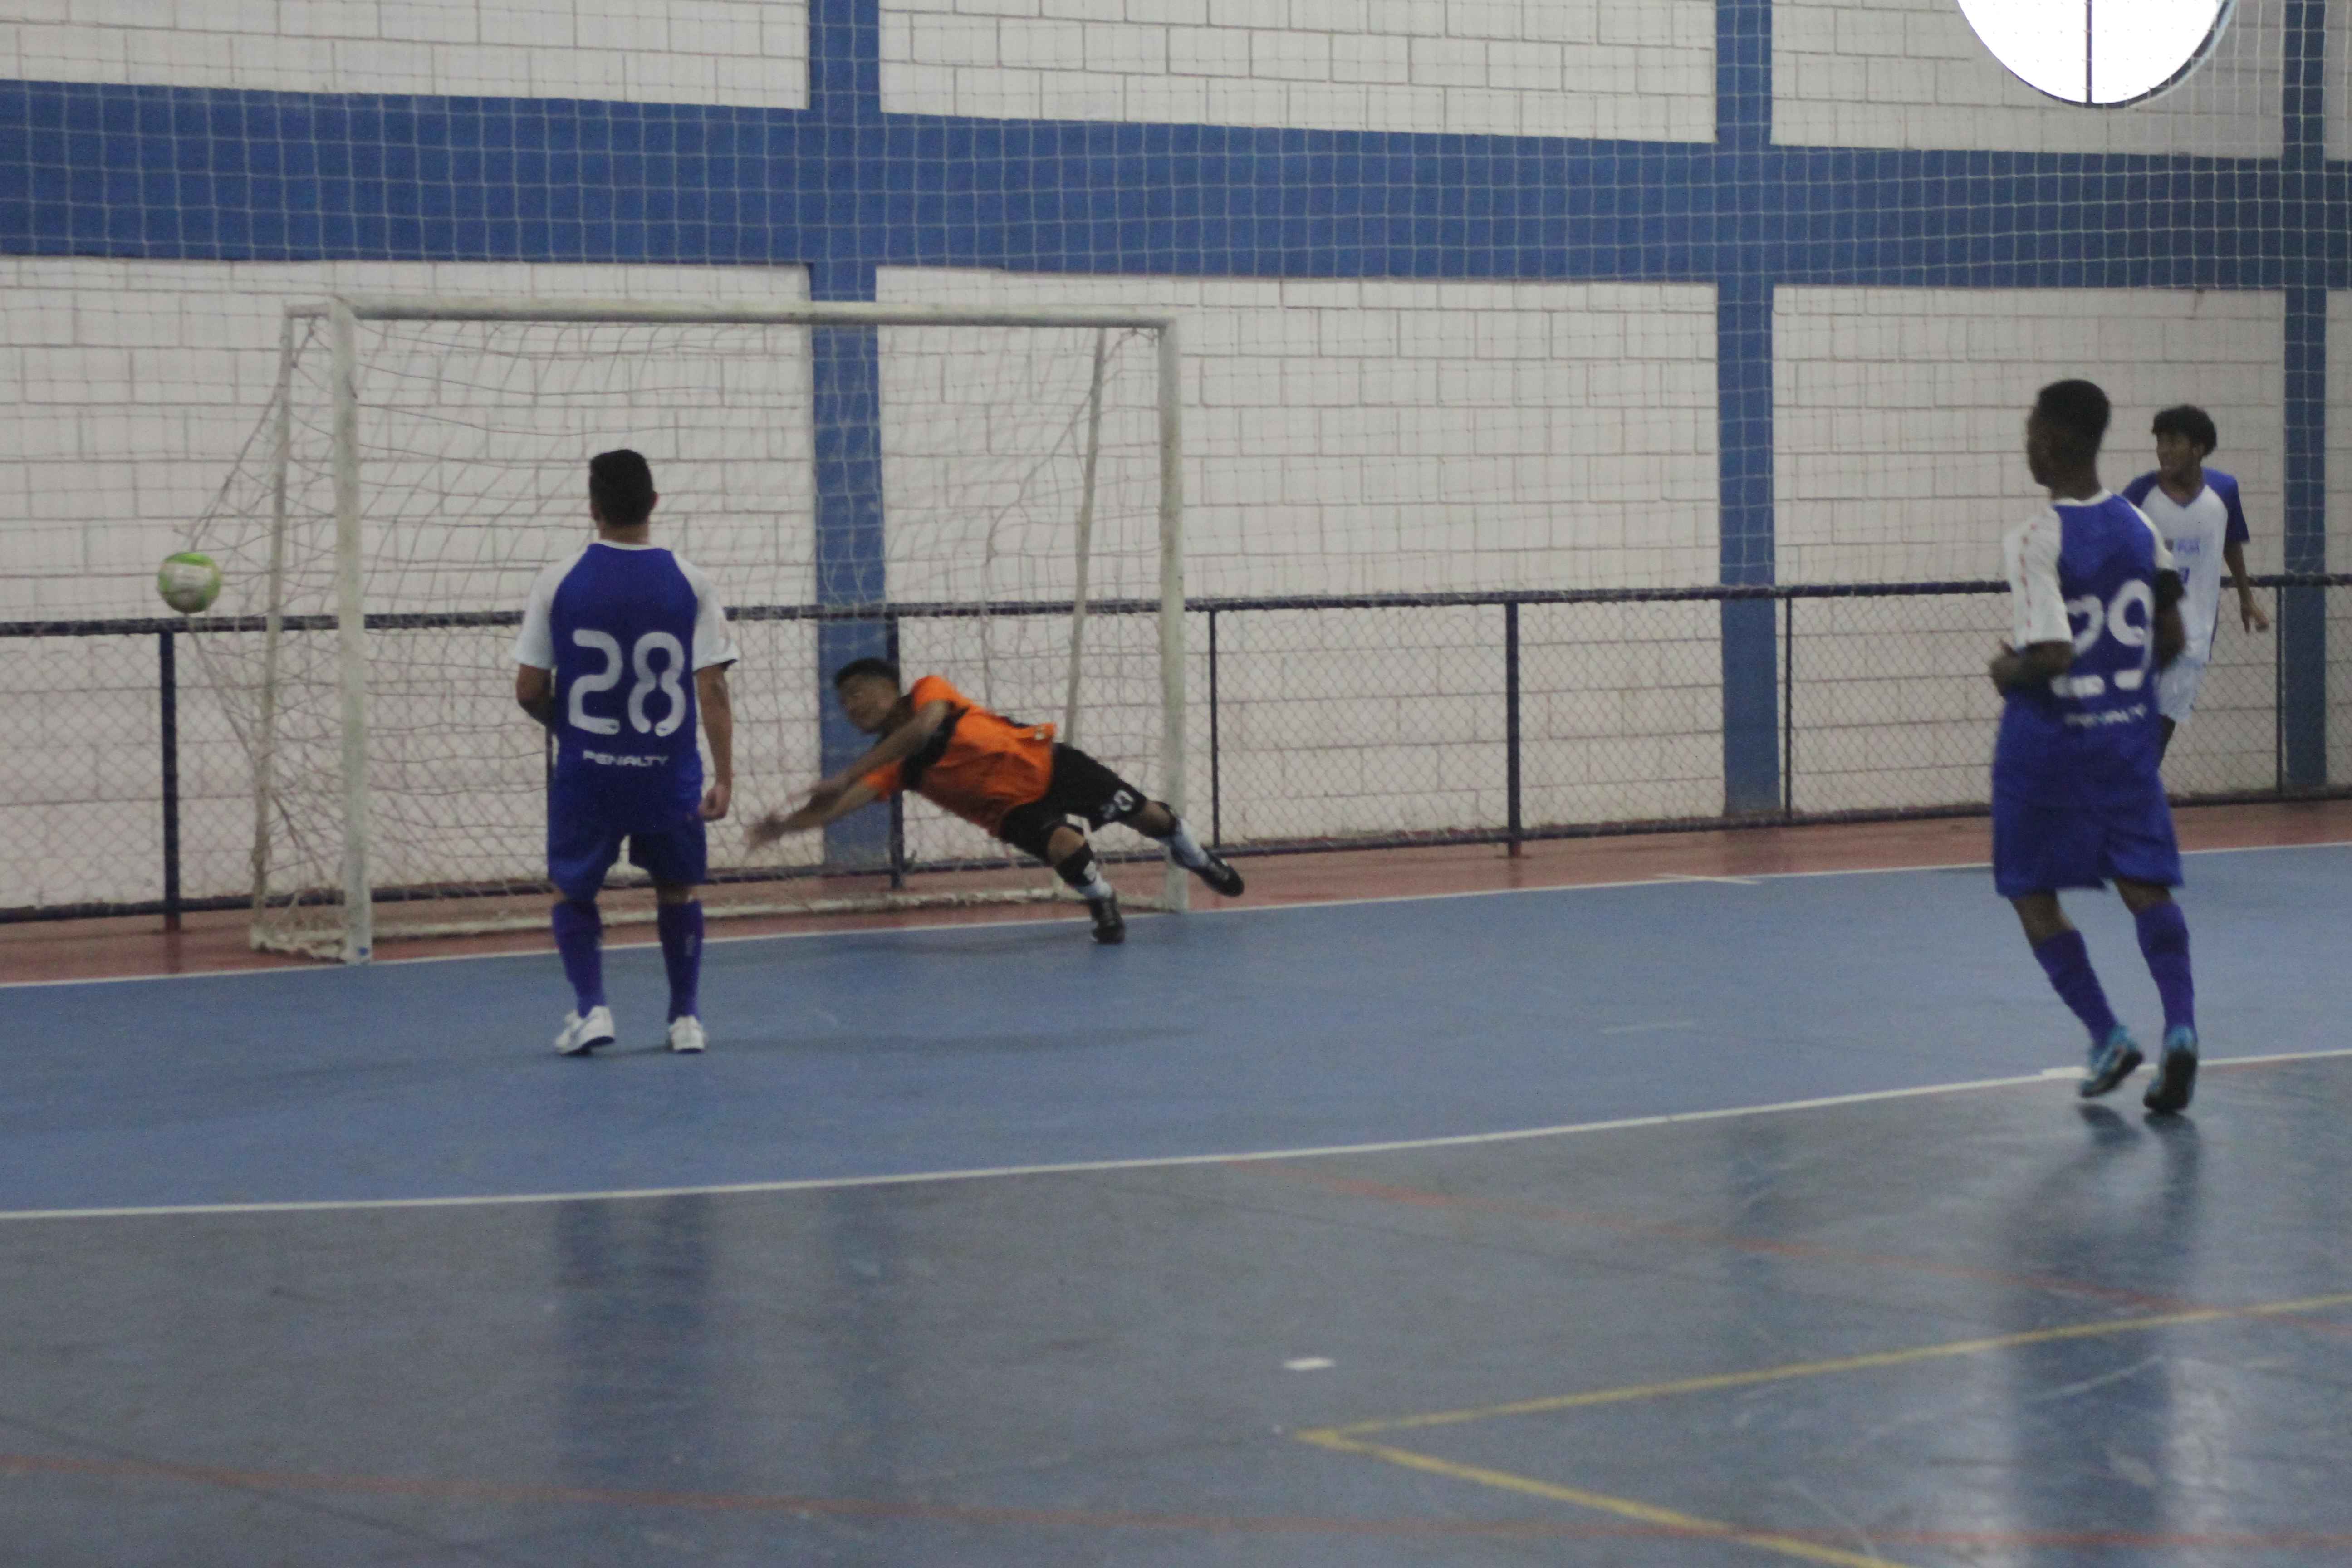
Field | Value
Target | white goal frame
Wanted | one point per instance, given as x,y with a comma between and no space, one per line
341,315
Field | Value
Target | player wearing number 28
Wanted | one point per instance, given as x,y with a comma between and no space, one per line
623,646
2075,794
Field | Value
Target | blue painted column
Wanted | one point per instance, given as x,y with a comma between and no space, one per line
845,372
1743,381
2302,612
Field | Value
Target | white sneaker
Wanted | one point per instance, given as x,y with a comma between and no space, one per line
581,1035
685,1034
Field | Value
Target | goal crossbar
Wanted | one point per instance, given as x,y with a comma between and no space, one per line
818,313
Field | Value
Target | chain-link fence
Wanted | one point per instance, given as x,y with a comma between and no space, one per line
1312,723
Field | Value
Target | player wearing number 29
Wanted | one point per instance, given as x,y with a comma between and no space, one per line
2075,794
622,646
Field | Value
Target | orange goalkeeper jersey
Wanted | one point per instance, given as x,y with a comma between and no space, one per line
978,764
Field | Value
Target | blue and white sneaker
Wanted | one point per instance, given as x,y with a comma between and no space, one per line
2112,1061
581,1035
2176,1073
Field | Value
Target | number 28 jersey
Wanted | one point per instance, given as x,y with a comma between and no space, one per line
2084,573
624,628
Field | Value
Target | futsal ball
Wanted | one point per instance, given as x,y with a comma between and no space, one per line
188,581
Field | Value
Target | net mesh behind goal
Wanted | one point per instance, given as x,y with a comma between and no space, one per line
1014,462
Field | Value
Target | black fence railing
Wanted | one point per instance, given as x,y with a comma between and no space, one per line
1865,632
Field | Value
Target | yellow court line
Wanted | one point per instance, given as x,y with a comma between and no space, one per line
1623,1507
1822,1368
1347,1439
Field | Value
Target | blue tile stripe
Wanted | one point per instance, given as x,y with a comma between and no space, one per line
210,174
843,187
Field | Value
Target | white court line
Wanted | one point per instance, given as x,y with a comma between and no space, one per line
1080,1167
1664,880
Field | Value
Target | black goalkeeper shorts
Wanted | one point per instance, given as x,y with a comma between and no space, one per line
1081,787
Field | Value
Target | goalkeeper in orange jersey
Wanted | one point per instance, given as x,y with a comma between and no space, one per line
1012,779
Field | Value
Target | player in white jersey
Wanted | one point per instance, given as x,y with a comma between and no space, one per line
2197,512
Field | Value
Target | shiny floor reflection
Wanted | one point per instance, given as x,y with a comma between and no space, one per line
1986,1327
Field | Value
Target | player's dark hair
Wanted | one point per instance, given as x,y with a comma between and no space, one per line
2077,413
621,484
858,666
2190,421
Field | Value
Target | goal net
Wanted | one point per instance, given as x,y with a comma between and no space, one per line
990,496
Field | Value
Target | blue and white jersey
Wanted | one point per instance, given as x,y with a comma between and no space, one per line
2084,573
624,628
2196,534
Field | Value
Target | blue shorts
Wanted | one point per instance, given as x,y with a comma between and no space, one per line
2045,840
581,850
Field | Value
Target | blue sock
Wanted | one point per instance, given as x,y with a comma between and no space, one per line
579,937
681,938
2068,963
2163,943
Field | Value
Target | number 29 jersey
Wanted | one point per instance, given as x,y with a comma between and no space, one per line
2084,573
624,628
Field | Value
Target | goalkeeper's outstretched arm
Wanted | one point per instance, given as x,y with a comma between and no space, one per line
815,814
900,743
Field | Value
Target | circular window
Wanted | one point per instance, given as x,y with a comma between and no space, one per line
2102,52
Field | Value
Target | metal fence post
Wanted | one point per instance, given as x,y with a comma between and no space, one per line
167,690
1788,705
1511,723
897,849
1216,794
2278,690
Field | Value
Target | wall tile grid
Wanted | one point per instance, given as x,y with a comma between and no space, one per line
135,387
1366,436
1899,422
1913,73
1632,68
2339,535
752,53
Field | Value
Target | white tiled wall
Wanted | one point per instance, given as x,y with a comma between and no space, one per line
1542,67
2339,534
1912,73
1898,419
128,390
1345,437
746,52
1899,413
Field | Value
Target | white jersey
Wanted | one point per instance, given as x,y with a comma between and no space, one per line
2196,532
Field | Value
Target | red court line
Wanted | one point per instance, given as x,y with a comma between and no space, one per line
1768,1247
213,943
431,1487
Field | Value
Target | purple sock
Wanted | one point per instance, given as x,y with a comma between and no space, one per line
579,935
2068,963
2164,942
681,938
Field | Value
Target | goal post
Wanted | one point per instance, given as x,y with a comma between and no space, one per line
424,457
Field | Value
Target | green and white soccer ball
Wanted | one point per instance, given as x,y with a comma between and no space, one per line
189,581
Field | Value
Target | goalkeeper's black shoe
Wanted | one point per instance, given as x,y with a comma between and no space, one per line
1110,926
1218,874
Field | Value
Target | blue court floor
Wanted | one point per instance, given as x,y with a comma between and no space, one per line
1982,1323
